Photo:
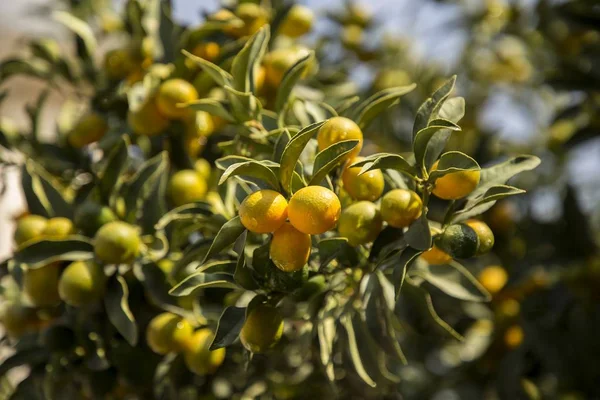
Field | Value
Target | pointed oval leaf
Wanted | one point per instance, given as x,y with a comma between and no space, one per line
453,161
255,169
229,327
247,60
201,280
331,157
116,302
290,79
46,251
211,106
353,349
424,136
80,28
380,102
385,161
226,236
454,280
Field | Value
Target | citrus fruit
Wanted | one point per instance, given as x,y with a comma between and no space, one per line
117,242
484,233
314,210
263,211
41,285
253,16
455,185
352,36
173,92
186,186
435,256
90,216
199,124
337,129
209,51
513,336
82,283
401,207
89,129
198,358
493,278
390,78
17,319
290,248
368,186
147,120
262,329
168,333
58,228
203,168
29,228
360,223
279,61
118,63
458,240
297,22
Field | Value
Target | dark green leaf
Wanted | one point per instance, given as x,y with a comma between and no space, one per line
290,79
282,141
116,302
226,236
418,235
117,163
229,328
424,136
479,205
201,280
426,110
331,157
243,275
80,28
380,102
187,212
499,174
43,252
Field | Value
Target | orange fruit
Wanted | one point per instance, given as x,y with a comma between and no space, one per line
314,210
337,129
290,248
263,211
455,185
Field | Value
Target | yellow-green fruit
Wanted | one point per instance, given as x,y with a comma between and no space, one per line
186,186
208,50
389,78
401,207
458,240
58,228
174,92
493,278
82,283
17,319
314,210
279,61
290,248
337,129
118,64
198,358
262,329
352,36
147,120
41,285
455,185
29,228
253,16
203,168
90,216
297,22
199,124
263,211
89,129
368,186
360,223
117,243
484,233
168,333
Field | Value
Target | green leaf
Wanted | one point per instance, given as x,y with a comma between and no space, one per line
220,76
440,96
230,325
453,109
58,204
282,141
157,286
246,62
36,68
385,161
326,332
425,135
80,28
201,280
187,212
353,349
499,174
41,195
139,187
243,274
418,235
225,162
255,169
292,152
406,258
244,105
454,280
37,203
226,236
117,162
46,251
32,357
213,107
380,102
453,161
290,79
331,157
116,302
330,248
479,205
426,110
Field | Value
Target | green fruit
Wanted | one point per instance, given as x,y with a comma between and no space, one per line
29,228
41,285
360,223
58,228
198,358
17,319
90,216
82,283
117,242
262,329
168,333
459,240
186,186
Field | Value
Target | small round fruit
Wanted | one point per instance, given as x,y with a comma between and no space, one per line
513,336
209,51
484,233
262,329
297,22
458,240
168,333
82,283
90,216
368,186
117,243
314,210
263,211
199,124
58,228
401,207
253,16
337,129
493,278
352,36
147,120
89,129
455,185
41,285
173,92
203,168
279,61
17,319
29,228
360,223
198,358
186,186
290,248
435,256
118,63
